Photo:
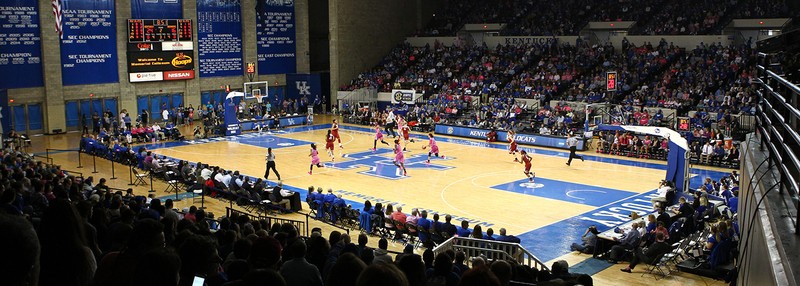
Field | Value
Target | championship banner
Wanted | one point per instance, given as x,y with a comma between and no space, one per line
156,9
89,44
300,85
275,37
219,32
20,44
406,96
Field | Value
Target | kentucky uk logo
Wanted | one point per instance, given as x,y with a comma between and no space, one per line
383,167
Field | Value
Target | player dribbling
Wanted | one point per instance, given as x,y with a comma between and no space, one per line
335,132
434,148
527,161
314,158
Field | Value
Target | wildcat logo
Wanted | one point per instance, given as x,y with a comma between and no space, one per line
382,166
181,60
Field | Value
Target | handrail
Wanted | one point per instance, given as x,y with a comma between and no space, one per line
492,249
345,229
48,160
777,117
302,227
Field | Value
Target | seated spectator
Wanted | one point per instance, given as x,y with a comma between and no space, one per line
298,271
628,242
20,247
589,240
507,238
650,254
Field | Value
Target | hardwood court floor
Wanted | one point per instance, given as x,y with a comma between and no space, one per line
478,182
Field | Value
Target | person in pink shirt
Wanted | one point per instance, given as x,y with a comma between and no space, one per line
399,158
314,158
434,148
378,137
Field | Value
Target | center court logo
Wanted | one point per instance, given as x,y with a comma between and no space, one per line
529,185
382,166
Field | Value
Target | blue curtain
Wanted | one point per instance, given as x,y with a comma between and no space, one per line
73,116
142,103
20,122
35,116
205,97
97,107
177,100
219,96
86,112
110,104
155,107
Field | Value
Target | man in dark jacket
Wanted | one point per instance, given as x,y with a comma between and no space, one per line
649,255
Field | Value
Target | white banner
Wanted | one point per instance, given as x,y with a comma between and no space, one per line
405,95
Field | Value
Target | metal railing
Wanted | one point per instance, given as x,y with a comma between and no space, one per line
302,226
777,123
492,249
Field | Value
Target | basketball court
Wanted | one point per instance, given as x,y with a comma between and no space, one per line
476,181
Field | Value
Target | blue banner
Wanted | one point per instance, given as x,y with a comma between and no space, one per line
523,139
20,44
304,85
89,45
219,37
275,32
156,9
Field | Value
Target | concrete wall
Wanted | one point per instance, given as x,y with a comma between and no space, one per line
362,32
53,95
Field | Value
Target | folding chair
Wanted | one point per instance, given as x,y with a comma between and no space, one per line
139,177
172,182
656,266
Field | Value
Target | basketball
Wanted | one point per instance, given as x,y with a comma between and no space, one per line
423,147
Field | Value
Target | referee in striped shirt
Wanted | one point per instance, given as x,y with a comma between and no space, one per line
572,142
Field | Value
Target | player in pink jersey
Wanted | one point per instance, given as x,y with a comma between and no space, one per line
399,158
378,137
434,148
314,158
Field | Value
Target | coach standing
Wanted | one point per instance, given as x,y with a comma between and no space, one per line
572,142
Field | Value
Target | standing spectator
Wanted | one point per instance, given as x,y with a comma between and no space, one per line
298,271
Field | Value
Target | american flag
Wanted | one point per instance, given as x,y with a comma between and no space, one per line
57,12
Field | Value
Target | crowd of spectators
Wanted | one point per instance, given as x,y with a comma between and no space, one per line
382,76
686,17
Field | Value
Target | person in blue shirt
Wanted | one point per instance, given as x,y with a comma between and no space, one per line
463,230
338,203
733,202
327,198
489,234
506,238
423,223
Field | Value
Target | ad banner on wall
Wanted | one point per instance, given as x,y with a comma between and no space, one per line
89,44
20,44
219,38
275,37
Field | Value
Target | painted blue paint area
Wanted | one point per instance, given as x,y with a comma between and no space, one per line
274,142
590,266
565,191
381,163
552,241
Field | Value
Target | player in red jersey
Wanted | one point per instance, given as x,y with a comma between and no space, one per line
335,132
406,131
527,161
512,146
329,144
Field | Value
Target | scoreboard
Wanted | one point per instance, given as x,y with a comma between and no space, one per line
165,30
160,49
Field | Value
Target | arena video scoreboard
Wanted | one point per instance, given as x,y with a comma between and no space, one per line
160,49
